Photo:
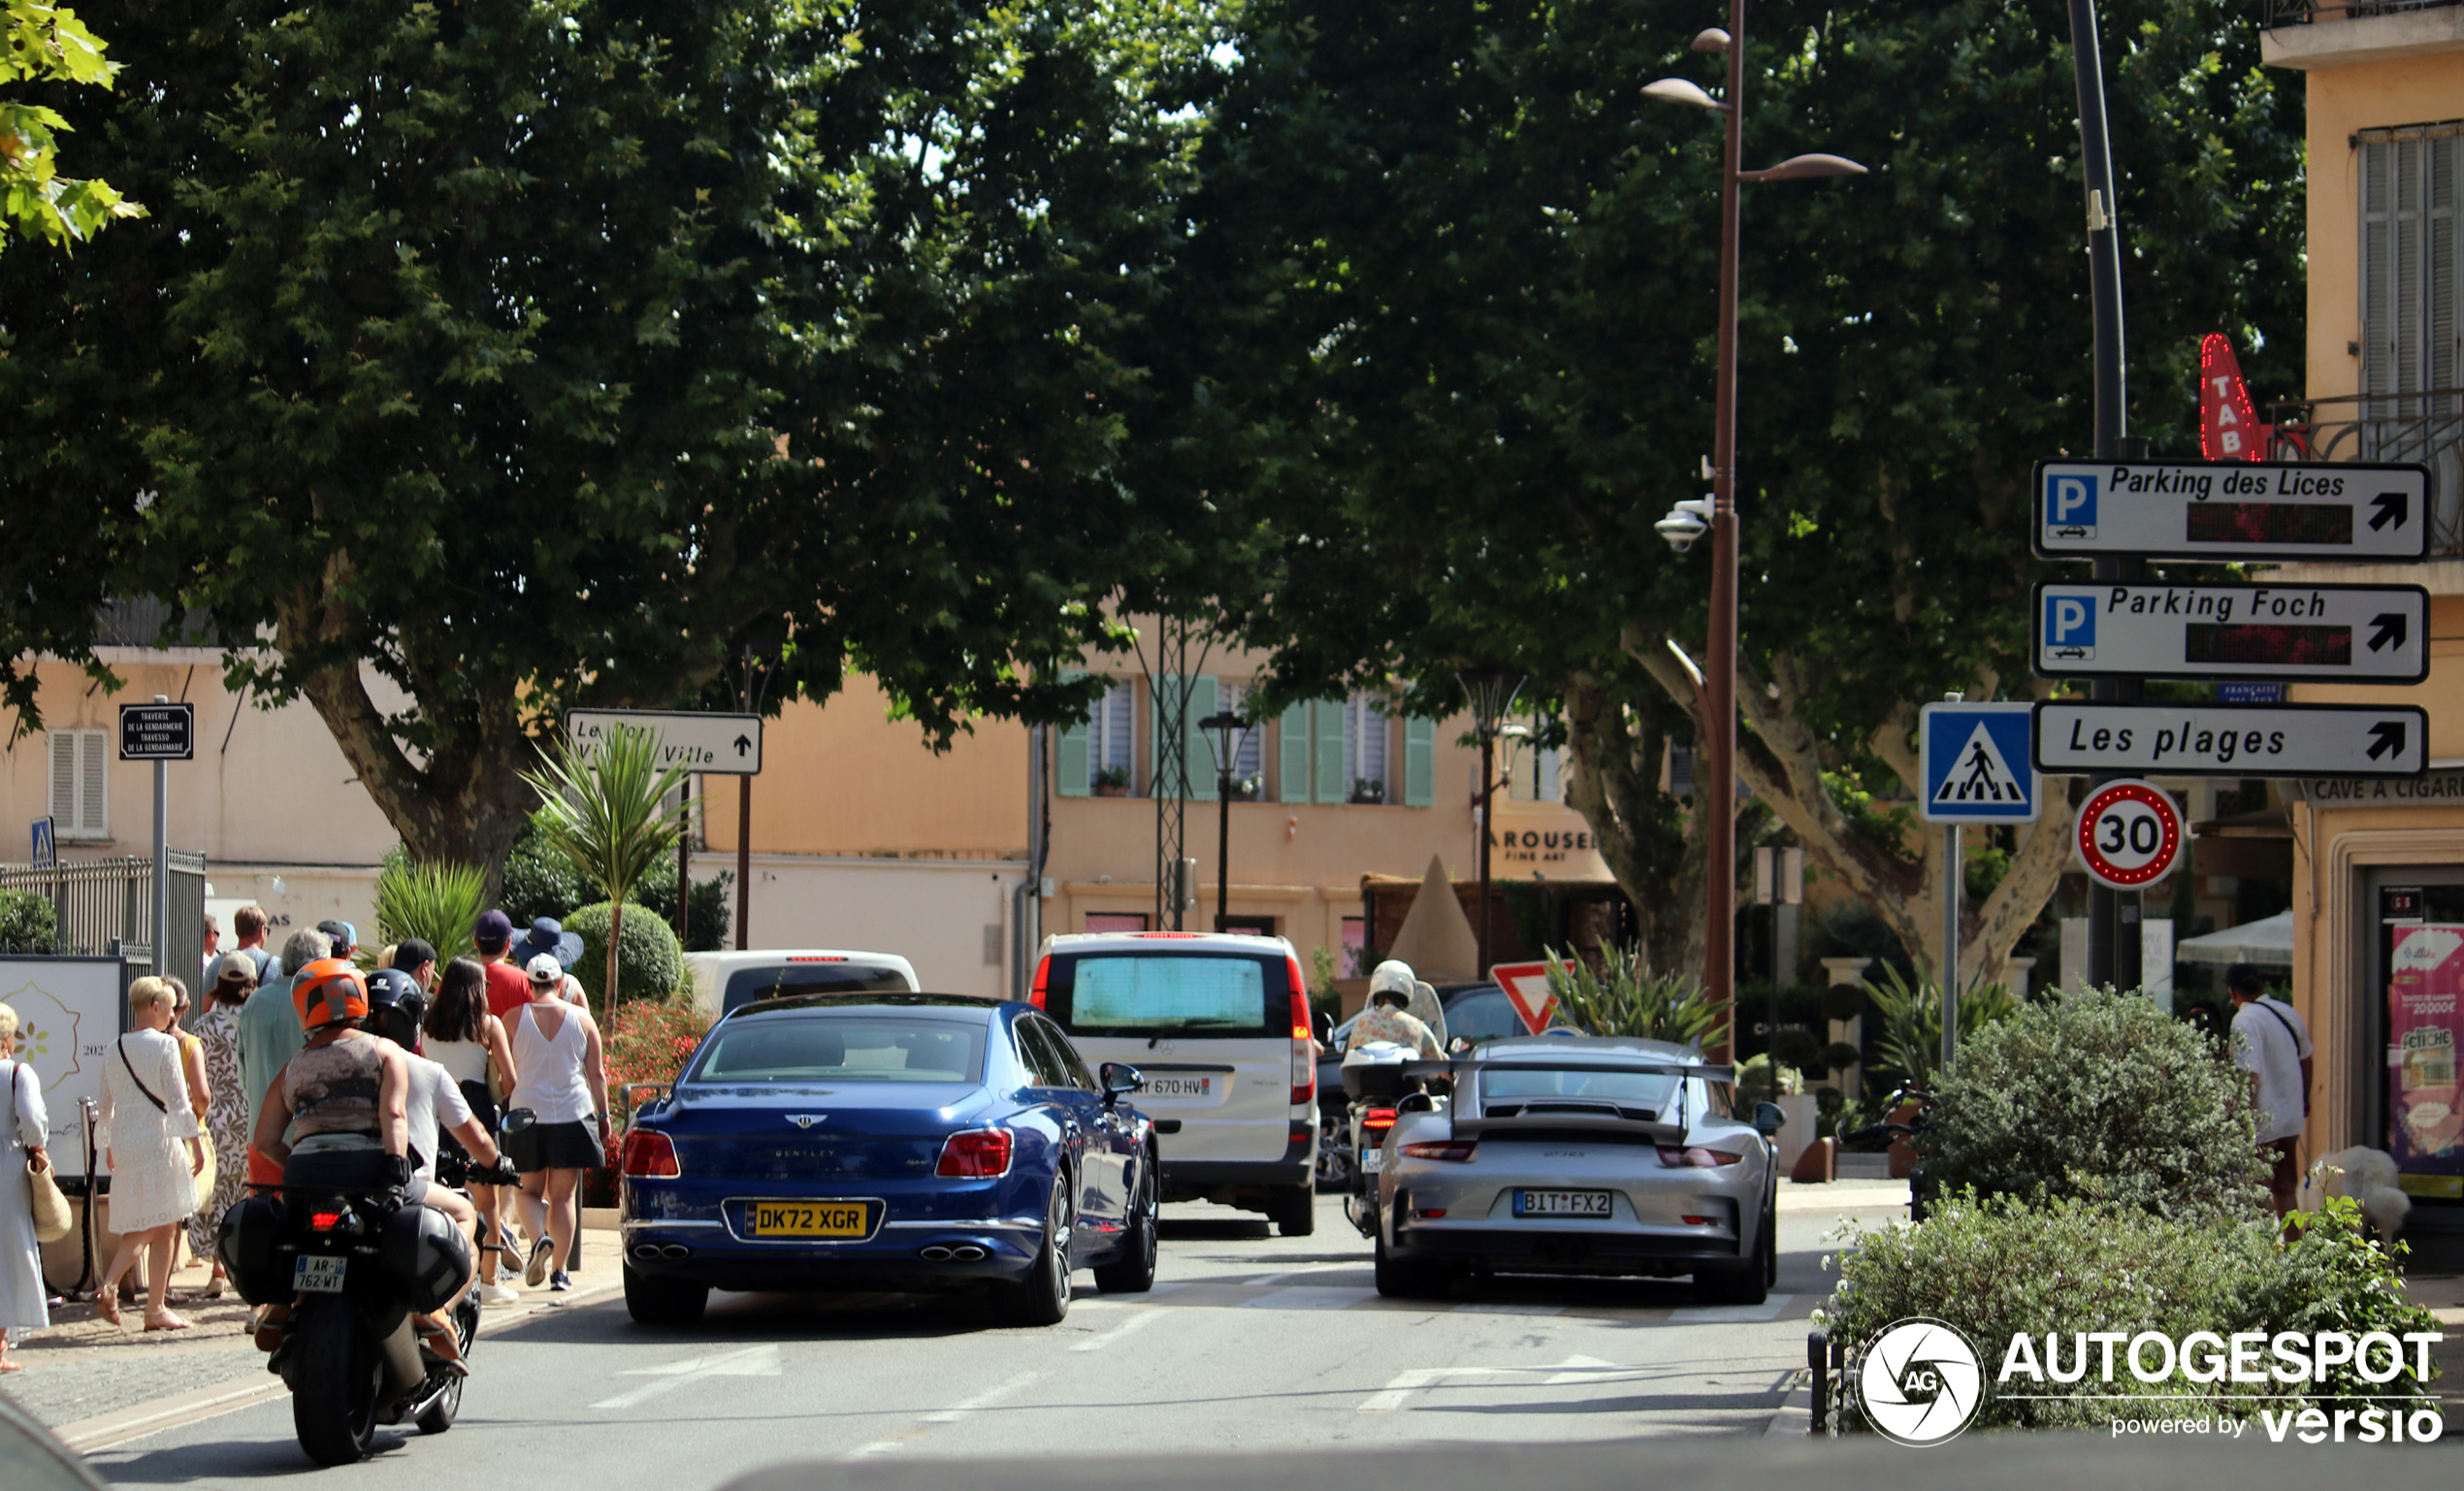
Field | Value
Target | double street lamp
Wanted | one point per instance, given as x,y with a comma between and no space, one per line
1492,691
1716,796
1227,736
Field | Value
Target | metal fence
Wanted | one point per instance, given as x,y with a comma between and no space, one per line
2426,427
106,906
2296,12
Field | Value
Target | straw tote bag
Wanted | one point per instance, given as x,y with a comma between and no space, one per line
50,1207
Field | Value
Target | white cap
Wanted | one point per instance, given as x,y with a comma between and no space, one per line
545,969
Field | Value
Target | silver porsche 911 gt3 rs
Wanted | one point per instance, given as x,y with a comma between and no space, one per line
1584,1154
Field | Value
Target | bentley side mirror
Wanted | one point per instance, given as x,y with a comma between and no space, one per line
1770,1118
1121,1079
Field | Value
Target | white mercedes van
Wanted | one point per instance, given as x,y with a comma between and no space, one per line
1219,1024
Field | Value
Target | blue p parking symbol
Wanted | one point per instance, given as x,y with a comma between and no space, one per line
2070,501
2070,622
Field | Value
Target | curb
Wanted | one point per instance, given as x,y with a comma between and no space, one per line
106,1430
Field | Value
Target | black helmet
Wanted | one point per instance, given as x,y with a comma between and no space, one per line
397,1007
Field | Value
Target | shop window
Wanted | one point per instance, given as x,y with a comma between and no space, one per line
1353,959
1116,922
1247,927
2421,959
81,792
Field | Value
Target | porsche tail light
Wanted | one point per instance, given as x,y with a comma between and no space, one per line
649,1154
1455,1152
977,1155
1043,973
1695,1158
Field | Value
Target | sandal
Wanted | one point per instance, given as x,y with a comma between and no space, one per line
169,1323
442,1340
211,1291
273,1323
10,1364
108,1308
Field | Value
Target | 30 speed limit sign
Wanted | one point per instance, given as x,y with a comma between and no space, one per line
2130,835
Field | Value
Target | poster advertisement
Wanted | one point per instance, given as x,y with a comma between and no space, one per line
68,1011
2426,977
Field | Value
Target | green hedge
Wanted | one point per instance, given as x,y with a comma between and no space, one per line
1997,1268
650,964
26,923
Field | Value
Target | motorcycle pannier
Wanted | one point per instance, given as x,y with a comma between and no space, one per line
246,1245
425,1256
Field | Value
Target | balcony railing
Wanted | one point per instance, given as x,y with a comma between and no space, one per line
2425,428
2301,13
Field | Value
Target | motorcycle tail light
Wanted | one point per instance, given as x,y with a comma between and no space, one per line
1453,1151
1378,1117
326,1221
977,1155
1695,1158
649,1154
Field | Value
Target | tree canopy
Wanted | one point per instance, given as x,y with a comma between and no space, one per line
1467,331
487,359
47,48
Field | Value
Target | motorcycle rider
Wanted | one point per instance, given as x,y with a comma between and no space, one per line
397,1008
1388,1018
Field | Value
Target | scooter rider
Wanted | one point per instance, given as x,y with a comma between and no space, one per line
1391,985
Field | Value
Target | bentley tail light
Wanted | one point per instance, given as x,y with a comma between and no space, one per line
977,1155
649,1154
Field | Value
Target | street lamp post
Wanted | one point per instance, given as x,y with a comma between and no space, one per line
1492,691
1717,794
1227,734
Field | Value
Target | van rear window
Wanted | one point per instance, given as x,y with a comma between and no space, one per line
1170,995
770,982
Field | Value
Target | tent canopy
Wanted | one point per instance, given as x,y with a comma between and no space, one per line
2269,941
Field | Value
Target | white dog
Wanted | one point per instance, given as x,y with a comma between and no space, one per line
2369,1177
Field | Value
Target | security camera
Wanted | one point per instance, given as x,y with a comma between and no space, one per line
1686,522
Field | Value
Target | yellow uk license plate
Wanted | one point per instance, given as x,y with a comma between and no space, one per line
811,1218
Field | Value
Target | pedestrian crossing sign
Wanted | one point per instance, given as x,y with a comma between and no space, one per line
1978,769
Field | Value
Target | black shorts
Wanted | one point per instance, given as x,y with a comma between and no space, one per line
556,1146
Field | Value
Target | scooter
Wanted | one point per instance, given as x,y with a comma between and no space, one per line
344,1248
1374,1082
1921,1187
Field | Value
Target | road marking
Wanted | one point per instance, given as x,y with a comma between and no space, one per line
1098,1344
1311,1297
1509,1308
1573,1369
983,1400
1732,1315
1262,1280
762,1361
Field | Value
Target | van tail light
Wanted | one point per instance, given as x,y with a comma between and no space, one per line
1043,974
976,1155
649,1154
1457,1152
1303,1041
1377,1118
1694,1158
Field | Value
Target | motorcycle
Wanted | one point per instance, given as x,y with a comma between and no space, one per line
1921,1187
1374,1084
352,1257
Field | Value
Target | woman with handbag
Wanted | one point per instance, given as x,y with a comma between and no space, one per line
24,1167
146,1112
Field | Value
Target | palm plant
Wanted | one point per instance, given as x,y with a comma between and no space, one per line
1911,1043
1626,998
607,814
437,903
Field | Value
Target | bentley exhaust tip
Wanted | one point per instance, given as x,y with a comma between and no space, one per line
967,1254
936,1254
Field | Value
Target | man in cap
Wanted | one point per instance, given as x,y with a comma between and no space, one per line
344,937
508,989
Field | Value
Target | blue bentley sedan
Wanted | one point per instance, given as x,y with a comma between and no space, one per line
828,1143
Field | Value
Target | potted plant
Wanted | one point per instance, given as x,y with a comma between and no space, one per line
1364,789
1247,788
1112,782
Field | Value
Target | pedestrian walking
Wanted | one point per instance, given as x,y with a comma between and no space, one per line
414,956
227,1113
467,1042
270,1033
509,988
340,937
214,946
152,1150
562,1078
248,935
22,1296
2272,1042
548,935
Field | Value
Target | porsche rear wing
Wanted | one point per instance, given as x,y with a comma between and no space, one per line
1667,1126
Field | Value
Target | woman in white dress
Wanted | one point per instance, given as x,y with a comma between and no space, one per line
147,1114
22,1128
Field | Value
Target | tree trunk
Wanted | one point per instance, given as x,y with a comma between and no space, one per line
1657,855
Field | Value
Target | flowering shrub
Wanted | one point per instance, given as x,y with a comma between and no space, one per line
652,1040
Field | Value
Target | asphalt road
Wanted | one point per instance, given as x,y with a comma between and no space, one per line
1248,1342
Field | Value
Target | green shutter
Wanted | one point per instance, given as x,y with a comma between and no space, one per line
1203,693
1292,755
1329,785
1419,762
1073,753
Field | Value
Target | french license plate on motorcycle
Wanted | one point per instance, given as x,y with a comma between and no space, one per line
1562,1203
1373,1162
317,1274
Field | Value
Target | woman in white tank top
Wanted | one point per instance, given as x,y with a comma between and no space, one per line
556,1050
464,1039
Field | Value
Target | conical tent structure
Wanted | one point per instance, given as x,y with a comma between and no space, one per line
1437,938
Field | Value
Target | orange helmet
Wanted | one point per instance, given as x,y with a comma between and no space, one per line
329,991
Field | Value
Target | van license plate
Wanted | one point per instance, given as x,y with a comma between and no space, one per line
1561,1203
317,1274
1181,1086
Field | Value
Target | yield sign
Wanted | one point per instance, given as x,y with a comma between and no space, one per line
1526,986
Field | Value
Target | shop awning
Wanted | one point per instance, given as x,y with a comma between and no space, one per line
2269,940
